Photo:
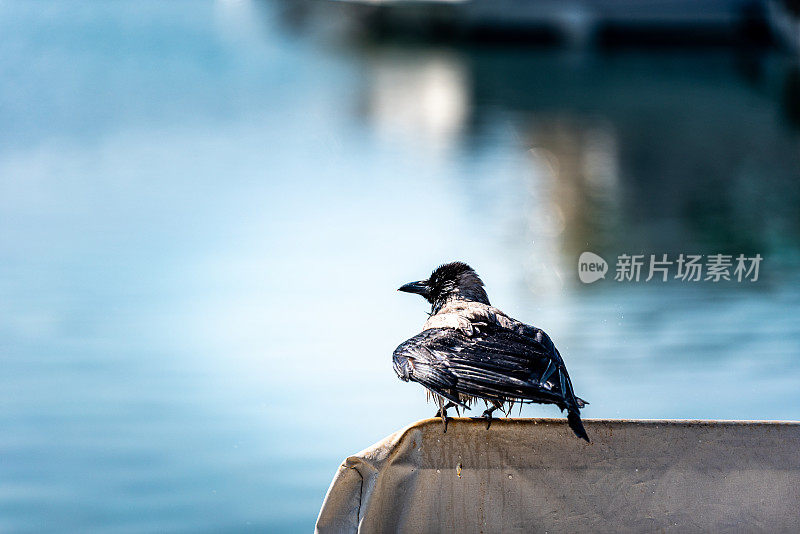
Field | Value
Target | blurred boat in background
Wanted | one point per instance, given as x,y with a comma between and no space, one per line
784,17
585,22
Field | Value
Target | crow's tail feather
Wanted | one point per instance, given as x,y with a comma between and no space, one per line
574,420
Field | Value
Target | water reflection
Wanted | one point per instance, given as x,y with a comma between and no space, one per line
423,101
666,151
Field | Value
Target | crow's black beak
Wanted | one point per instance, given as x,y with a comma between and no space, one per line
420,288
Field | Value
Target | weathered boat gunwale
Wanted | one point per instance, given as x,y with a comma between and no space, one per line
524,474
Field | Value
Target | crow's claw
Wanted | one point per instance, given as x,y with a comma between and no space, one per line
444,417
442,412
485,416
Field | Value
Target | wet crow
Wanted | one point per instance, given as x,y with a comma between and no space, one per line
469,350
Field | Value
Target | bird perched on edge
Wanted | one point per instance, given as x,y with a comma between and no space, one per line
470,350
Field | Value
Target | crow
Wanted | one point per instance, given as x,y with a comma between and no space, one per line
470,350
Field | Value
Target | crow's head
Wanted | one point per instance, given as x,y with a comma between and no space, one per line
450,281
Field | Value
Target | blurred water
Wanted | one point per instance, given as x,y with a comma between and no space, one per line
205,209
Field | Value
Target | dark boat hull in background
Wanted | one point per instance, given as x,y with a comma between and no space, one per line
671,21
784,19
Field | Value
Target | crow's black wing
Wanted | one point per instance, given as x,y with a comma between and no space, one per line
564,381
420,359
493,363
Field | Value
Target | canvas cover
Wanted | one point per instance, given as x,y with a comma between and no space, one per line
534,475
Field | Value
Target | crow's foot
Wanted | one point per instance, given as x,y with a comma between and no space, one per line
486,416
443,415
442,412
